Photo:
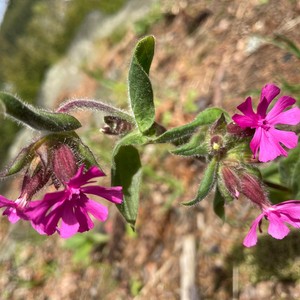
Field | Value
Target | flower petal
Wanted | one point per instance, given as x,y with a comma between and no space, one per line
81,178
269,92
289,211
277,229
85,222
12,215
287,138
256,141
113,194
246,108
40,228
49,223
38,209
288,203
6,202
245,121
69,223
262,108
251,238
98,210
289,117
279,107
270,147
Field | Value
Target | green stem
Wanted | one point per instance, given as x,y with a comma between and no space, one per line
276,186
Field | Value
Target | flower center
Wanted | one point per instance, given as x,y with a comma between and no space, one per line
22,202
74,193
263,123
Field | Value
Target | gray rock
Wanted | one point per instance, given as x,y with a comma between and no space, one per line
65,75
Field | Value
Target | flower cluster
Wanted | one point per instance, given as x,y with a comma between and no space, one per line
233,151
71,206
267,143
66,211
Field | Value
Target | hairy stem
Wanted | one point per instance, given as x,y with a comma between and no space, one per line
79,104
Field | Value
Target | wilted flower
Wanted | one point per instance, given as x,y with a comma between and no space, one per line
267,139
71,207
277,215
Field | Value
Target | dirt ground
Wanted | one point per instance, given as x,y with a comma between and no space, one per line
208,53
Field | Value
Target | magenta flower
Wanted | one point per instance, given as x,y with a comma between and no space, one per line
14,209
68,211
277,215
267,139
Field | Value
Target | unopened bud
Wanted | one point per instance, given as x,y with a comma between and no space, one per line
235,129
32,183
64,163
115,126
231,181
254,190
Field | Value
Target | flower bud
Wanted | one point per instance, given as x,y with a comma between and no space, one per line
32,183
116,126
64,162
235,129
231,181
254,190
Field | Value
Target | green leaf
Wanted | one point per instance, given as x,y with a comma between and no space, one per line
140,88
19,163
206,184
132,138
289,170
219,203
195,147
287,166
87,155
286,44
296,178
127,172
37,118
297,196
206,117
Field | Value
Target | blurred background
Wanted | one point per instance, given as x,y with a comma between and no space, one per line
208,53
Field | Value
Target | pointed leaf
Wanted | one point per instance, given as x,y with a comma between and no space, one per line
37,118
87,155
206,117
219,203
207,183
289,170
19,163
140,88
195,147
127,172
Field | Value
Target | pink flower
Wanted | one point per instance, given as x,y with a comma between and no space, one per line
277,215
267,139
14,209
67,211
